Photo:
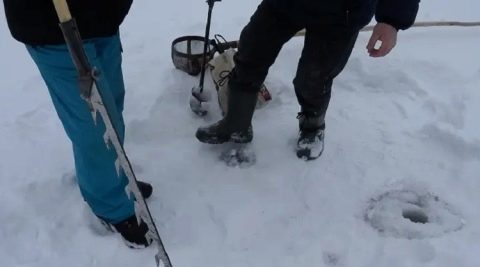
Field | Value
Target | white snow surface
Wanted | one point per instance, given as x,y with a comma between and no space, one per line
404,123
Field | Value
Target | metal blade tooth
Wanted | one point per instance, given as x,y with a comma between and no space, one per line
129,192
161,259
157,260
152,235
95,109
118,166
138,212
94,116
106,139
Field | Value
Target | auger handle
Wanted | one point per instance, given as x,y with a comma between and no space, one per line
74,43
63,12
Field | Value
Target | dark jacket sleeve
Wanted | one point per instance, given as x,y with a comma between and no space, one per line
400,14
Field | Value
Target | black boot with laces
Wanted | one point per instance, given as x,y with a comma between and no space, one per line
311,137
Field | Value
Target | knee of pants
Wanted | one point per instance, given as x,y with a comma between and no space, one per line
310,85
87,134
84,128
245,82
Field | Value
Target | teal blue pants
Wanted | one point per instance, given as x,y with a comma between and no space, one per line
101,187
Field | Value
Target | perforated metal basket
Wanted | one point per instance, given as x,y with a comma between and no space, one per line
187,53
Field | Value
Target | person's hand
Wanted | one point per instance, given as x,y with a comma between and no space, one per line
386,37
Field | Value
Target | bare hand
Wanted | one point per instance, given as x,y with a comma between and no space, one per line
386,36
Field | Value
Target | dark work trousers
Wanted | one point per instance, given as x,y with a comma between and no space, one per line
325,54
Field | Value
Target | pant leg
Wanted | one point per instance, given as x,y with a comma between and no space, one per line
260,43
325,54
110,58
99,183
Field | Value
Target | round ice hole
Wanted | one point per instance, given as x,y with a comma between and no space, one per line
413,215
416,216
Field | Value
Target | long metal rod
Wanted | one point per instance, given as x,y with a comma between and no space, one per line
123,163
206,45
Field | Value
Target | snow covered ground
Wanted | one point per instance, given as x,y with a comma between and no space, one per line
402,138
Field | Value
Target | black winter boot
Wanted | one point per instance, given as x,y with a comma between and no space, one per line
146,189
310,142
134,234
236,126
